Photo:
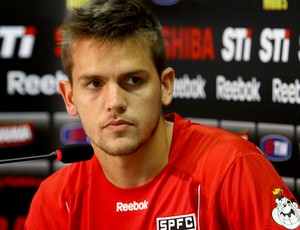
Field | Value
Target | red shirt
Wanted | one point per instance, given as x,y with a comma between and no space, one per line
214,180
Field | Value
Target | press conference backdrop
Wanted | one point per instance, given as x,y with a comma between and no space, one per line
237,68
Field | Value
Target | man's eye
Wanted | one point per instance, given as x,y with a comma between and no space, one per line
134,81
95,84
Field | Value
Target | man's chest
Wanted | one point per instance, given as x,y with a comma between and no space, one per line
166,204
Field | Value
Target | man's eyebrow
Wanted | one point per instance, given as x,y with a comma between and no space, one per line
135,72
125,74
88,77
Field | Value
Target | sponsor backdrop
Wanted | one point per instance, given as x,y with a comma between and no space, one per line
237,67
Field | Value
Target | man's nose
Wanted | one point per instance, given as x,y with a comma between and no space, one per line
115,98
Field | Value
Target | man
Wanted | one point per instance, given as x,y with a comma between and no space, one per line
149,171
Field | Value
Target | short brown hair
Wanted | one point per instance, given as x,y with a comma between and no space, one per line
113,21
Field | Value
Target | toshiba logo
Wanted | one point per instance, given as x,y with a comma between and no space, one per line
16,134
134,206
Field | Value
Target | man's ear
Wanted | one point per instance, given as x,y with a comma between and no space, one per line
66,92
167,85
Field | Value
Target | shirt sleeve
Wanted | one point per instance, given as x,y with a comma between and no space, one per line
253,196
35,219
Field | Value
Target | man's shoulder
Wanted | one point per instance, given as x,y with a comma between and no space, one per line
68,179
202,138
193,134
196,147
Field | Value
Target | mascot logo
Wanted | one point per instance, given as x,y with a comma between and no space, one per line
287,212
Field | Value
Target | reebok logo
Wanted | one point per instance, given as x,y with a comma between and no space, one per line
18,82
237,90
134,206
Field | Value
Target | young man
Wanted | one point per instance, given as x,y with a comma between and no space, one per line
149,171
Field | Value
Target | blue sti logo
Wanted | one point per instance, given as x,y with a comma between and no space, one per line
165,2
276,147
73,133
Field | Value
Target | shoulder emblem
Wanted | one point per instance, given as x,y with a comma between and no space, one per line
286,213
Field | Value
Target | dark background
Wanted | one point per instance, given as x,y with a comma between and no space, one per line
52,127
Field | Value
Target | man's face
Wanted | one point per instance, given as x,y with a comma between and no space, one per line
117,93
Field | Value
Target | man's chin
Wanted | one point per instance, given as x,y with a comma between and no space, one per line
121,149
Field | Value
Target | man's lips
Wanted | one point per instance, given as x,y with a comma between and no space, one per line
117,125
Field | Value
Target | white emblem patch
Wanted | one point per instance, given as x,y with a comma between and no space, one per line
287,212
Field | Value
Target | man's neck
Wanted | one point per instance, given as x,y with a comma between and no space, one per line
140,167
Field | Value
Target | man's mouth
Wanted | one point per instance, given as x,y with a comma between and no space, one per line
118,125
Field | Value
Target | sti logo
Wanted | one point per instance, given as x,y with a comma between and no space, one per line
237,44
276,147
73,133
17,39
184,222
275,45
